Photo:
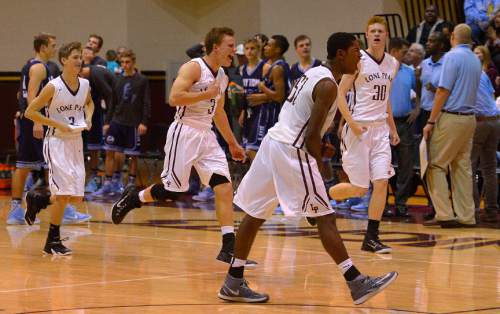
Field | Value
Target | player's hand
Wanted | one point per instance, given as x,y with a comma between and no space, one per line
413,115
105,129
38,131
427,131
213,90
237,152
357,128
142,129
394,137
65,128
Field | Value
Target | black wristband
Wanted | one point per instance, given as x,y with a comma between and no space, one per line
431,123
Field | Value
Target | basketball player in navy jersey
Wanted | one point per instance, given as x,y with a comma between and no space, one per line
302,44
287,170
252,74
69,110
369,130
198,94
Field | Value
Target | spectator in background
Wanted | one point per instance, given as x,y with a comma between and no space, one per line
120,50
95,42
240,55
493,43
414,56
450,129
263,39
447,30
478,14
302,45
112,63
428,75
431,23
405,114
488,67
486,138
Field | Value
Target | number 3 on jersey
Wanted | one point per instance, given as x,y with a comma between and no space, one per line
212,108
71,120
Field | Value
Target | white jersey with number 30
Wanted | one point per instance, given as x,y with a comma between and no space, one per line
67,106
371,87
296,111
200,115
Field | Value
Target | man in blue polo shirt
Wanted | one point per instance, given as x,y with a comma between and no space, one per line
405,113
450,129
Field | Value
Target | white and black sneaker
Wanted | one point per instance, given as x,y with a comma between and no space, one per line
56,248
237,290
128,201
374,245
366,287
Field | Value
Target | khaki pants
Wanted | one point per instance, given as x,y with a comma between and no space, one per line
450,150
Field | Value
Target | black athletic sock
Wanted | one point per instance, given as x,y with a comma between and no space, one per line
352,273
228,240
372,230
54,234
236,272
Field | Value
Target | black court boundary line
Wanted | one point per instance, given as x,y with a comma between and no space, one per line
254,304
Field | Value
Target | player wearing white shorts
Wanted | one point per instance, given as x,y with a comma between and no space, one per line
198,94
69,110
369,130
286,171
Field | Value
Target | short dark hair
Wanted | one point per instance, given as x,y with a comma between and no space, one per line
66,49
111,55
42,39
300,38
101,41
215,36
264,39
281,42
398,43
338,41
129,53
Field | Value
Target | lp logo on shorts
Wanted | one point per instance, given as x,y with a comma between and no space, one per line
110,139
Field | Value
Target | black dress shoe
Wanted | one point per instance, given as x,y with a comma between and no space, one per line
402,211
449,224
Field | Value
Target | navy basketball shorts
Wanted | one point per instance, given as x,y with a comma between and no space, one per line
94,137
122,138
30,149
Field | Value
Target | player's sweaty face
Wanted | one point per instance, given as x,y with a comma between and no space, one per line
376,35
226,50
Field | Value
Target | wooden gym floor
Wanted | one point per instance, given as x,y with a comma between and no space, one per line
162,260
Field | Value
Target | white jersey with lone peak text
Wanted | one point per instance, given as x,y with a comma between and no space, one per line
200,115
67,106
296,111
371,87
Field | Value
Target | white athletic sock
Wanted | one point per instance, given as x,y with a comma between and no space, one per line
141,197
345,265
226,229
236,262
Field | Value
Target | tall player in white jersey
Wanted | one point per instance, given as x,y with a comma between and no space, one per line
286,171
198,94
69,110
369,131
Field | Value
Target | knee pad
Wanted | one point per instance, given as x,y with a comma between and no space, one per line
159,193
217,179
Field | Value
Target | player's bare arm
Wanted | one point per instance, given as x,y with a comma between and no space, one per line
393,132
278,79
33,110
222,124
89,110
37,74
324,95
189,74
344,87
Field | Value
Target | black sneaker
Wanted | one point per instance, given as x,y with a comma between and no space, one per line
226,257
237,290
375,245
35,202
366,287
56,248
128,201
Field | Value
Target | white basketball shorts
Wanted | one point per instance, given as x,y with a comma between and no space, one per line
368,157
188,147
285,175
64,158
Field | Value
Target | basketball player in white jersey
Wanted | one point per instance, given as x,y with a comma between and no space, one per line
286,169
69,109
198,94
369,130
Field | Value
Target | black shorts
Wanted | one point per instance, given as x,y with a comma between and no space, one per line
94,139
30,149
122,138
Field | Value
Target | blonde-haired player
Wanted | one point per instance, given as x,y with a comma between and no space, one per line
69,112
369,130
